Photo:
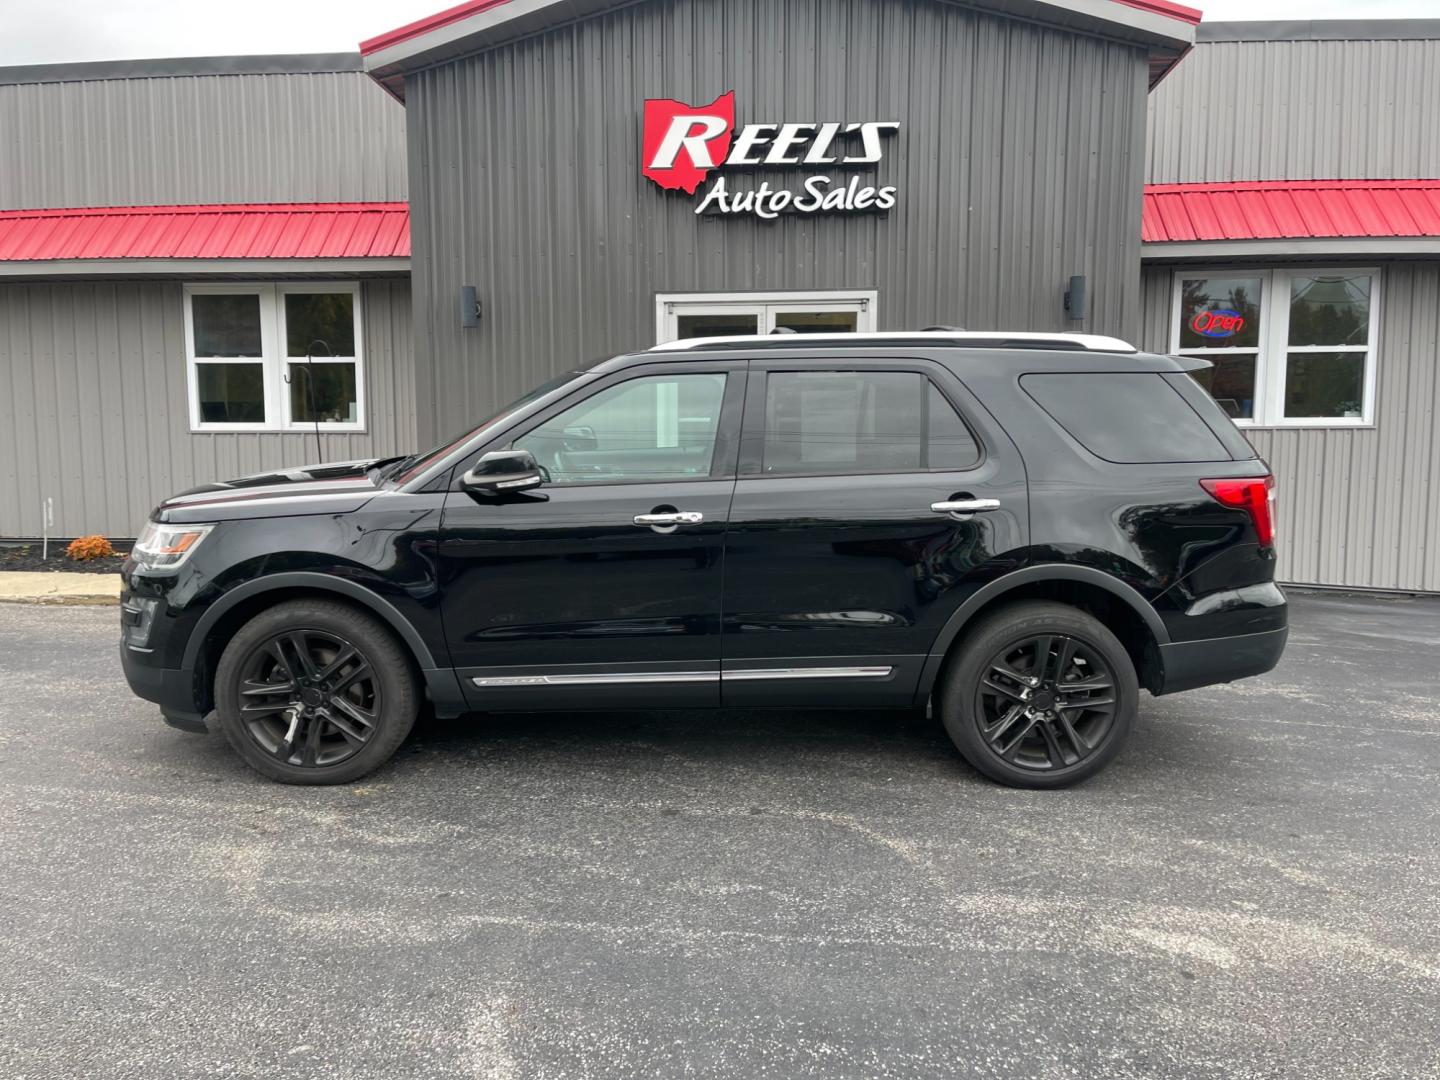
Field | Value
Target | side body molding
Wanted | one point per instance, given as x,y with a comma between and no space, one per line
1026,576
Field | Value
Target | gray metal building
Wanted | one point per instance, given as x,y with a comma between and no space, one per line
95,388
1299,153
1016,152
606,174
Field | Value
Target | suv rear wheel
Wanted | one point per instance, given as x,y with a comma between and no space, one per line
313,692
1041,695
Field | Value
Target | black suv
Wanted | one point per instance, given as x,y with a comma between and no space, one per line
1019,530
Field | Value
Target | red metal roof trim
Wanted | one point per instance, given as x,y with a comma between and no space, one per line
425,25
228,231
460,12
1169,10
1290,209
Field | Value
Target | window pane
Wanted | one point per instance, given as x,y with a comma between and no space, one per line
1324,384
231,393
331,387
1126,417
1216,419
843,422
1219,312
1231,382
320,317
817,322
657,428
226,325
1330,310
951,444
707,325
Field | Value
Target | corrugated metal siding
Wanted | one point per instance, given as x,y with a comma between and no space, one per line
311,137
1019,164
93,410
1298,110
1359,507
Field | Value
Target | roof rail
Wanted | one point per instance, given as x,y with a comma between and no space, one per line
974,339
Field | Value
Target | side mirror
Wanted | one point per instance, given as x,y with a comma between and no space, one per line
503,471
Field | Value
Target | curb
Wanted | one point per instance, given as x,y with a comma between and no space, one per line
56,587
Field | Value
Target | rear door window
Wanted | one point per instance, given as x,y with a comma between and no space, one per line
1129,418
846,422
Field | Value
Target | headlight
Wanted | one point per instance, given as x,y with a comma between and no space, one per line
166,546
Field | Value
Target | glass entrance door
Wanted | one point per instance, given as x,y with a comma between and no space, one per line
698,315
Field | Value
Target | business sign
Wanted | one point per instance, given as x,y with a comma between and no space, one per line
1222,323
684,144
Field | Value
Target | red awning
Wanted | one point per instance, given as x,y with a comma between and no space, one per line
1291,209
232,231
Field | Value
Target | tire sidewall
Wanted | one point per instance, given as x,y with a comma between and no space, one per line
1010,626
387,660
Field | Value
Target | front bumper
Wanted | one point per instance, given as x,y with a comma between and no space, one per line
1186,665
170,688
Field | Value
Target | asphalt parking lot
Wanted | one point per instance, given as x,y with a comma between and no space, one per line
1253,890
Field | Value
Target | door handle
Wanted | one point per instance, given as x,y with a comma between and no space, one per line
960,507
661,521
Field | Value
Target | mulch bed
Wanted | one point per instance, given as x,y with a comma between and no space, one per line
27,557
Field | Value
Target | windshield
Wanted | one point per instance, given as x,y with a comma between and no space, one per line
413,466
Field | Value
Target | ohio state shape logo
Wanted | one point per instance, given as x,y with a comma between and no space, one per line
683,143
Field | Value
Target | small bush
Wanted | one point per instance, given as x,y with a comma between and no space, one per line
85,548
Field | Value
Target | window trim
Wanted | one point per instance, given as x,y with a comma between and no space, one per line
1272,350
274,359
669,306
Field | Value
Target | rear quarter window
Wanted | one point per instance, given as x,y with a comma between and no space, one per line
1210,411
1131,418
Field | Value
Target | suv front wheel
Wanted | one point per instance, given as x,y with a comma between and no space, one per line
1041,695
314,692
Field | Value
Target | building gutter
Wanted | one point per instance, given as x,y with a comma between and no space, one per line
49,268
1293,248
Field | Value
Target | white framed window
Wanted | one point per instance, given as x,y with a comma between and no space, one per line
275,357
693,315
1292,347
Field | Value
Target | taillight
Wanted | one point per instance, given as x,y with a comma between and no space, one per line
1255,494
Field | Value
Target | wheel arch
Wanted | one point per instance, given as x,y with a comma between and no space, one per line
223,618
1119,605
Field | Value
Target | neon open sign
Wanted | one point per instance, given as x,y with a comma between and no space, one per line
1218,324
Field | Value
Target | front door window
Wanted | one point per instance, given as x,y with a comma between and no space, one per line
662,427
682,316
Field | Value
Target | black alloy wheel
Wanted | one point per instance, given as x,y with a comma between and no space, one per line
1046,702
315,691
309,697
1039,694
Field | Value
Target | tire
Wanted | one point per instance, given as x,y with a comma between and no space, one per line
1044,736
313,729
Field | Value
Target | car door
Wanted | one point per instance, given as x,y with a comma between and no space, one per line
874,497
602,586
